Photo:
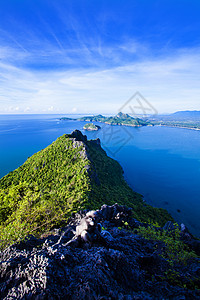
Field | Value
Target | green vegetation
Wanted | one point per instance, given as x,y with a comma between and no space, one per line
119,119
112,188
182,124
67,119
61,179
43,192
175,252
91,127
183,119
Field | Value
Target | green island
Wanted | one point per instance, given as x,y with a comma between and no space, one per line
69,175
119,119
91,127
179,119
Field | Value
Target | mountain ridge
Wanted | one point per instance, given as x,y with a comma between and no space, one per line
145,254
70,174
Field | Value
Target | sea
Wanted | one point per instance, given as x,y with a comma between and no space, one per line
161,163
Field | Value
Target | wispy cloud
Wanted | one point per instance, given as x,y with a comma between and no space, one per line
170,83
68,57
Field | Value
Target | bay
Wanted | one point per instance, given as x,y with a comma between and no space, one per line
161,163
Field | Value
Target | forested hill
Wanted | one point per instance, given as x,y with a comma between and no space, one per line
69,175
119,119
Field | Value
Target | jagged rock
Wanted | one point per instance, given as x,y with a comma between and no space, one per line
185,234
77,134
169,226
194,245
96,142
130,267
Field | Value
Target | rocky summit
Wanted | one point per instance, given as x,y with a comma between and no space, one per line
138,261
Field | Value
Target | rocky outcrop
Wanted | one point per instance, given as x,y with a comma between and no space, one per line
80,141
77,134
129,267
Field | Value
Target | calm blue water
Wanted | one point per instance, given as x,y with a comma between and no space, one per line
161,163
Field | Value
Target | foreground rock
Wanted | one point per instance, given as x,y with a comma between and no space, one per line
129,267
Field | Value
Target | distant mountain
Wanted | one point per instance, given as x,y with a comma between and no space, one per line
119,119
186,114
123,116
189,119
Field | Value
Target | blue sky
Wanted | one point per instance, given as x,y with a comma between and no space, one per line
91,56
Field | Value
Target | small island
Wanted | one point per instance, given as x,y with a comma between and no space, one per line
91,127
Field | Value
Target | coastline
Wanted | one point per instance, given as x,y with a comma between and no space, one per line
190,128
136,126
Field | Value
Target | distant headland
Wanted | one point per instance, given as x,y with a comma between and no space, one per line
189,119
181,119
119,119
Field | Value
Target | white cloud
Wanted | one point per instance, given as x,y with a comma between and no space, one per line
170,83
26,109
74,109
51,108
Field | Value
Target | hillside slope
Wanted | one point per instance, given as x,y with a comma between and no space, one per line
70,174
